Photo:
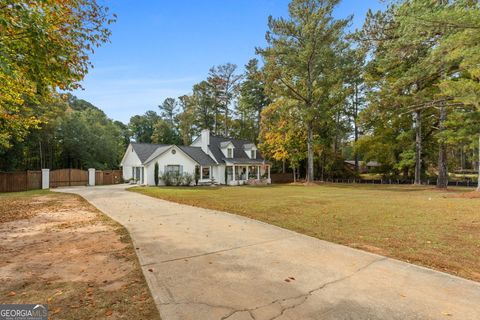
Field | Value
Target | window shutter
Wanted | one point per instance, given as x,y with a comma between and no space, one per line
181,169
165,169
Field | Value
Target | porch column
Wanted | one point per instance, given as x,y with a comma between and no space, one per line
268,172
246,178
233,173
258,172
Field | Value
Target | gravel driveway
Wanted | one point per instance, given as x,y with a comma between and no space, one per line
204,264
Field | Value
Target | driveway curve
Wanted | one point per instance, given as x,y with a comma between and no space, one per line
204,264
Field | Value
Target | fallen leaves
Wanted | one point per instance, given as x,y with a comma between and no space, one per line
289,279
59,292
56,310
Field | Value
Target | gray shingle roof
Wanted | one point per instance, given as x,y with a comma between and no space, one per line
244,161
156,153
198,155
145,150
224,144
239,154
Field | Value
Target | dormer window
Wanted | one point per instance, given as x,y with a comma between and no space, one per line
253,154
229,153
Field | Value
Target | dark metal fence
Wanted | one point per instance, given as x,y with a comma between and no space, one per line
466,183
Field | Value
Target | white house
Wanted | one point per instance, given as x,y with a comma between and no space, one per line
220,159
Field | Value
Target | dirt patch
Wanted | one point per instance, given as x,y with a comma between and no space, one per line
466,195
59,250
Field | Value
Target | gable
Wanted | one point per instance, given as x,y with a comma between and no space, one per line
145,150
172,155
239,153
130,158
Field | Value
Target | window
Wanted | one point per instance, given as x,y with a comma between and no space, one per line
229,153
253,154
173,168
205,172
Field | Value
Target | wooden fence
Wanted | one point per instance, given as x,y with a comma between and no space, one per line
20,181
108,177
68,177
29,180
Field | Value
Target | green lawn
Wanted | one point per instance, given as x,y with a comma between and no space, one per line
415,224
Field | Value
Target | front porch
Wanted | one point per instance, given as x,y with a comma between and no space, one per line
240,174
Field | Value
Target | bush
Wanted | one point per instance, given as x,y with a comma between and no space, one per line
177,179
188,179
197,174
166,178
156,175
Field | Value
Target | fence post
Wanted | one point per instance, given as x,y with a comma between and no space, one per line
45,178
91,177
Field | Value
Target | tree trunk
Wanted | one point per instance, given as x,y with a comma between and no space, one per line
226,119
478,187
418,148
355,125
283,165
322,177
442,180
309,177
462,158
294,176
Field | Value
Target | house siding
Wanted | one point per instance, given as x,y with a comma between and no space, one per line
130,160
165,159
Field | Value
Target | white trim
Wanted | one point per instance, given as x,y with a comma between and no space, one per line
172,146
125,154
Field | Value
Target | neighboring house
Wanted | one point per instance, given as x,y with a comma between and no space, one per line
364,167
219,159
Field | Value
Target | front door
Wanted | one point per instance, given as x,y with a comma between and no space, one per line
137,174
229,174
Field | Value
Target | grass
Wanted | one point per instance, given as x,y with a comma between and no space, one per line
416,224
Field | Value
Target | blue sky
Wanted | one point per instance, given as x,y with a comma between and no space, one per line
160,48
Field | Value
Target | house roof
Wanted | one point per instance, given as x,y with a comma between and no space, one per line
244,161
197,154
239,154
157,152
145,150
225,144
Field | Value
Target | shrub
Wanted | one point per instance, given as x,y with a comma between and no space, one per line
188,179
156,173
177,179
197,174
167,178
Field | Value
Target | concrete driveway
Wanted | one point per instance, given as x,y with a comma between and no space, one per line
203,264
